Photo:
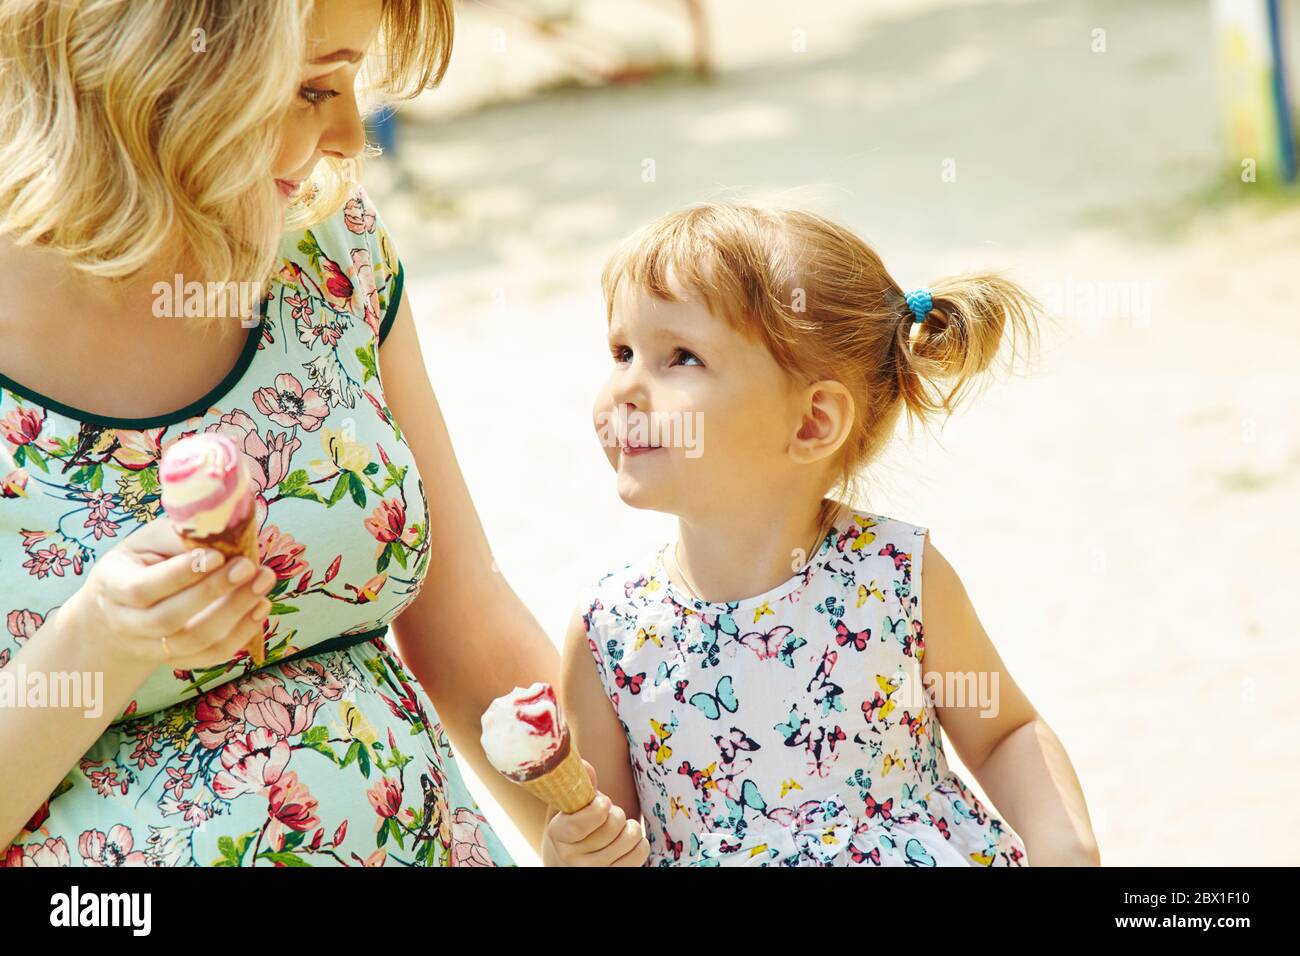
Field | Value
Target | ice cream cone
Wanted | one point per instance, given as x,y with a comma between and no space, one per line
239,541
526,740
207,493
563,785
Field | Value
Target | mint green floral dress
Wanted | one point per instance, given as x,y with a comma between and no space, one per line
331,754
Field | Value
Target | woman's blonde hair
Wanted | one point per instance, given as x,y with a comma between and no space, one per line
822,302
126,127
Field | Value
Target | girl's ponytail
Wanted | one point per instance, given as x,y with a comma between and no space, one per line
960,338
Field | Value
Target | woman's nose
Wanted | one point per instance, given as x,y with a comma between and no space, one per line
344,135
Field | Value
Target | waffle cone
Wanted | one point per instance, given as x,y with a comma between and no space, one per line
236,541
565,786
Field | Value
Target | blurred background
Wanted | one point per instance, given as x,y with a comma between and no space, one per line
1123,512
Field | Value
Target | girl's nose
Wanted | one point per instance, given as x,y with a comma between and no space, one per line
345,134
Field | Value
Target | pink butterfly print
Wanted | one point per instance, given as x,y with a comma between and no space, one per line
632,682
766,644
885,810
844,637
901,558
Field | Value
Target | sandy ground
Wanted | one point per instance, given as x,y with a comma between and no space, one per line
1122,513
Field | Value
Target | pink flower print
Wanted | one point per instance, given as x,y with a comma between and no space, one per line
103,782
115,849
386,521
338,288
375,859
280,552
178,780
358,217
217,714
340,833
14,484
299,307
370,590
386,797
251,764
313,672
366,285
23,624
52,559
288,404
292,804
98,519
281,713
22,425
53,852
268,459
136,450
468,845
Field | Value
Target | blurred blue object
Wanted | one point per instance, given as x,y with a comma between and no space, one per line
383,129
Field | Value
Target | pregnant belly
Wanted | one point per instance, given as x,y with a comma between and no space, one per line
332,760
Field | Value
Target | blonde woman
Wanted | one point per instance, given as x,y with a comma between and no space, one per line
148,152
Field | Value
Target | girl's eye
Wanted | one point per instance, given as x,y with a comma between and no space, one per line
621,353
314,96
684,355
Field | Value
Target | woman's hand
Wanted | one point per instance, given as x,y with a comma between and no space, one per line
600,834
153,585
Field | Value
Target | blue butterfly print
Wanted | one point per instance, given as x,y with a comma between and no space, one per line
794,730
897,629
750,799
831,607
615,649
723,698
917,854
665,672
861,781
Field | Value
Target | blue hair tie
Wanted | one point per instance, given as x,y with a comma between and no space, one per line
921,303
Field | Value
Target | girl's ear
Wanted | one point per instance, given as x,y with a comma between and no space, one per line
826,417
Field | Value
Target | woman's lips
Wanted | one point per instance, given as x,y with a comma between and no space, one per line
288,186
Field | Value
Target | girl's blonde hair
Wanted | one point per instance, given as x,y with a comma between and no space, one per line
130,130
822,302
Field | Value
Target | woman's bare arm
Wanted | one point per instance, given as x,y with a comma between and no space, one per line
39,745
467,637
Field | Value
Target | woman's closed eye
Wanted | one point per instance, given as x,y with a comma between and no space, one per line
316,96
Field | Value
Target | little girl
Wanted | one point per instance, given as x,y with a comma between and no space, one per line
754,716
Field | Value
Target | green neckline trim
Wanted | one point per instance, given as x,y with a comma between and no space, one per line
196,407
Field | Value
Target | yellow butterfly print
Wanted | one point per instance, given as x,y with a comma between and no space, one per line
764,608
865,592
644,634
676,806
757,850
662,732
652,585
789,785
983,859
707,774
828,836
891,761
663,753
889,687
865,536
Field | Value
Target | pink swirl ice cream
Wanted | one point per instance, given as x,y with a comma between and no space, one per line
523,732
205,485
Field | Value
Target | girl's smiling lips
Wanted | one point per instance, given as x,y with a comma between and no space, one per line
634,450
288,186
